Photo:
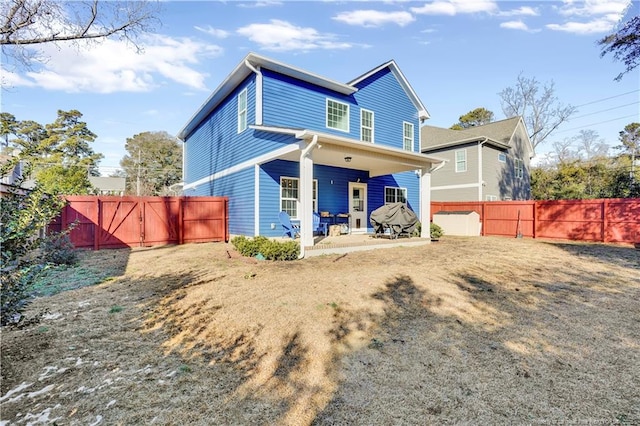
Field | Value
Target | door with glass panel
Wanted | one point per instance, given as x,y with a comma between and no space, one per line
358,207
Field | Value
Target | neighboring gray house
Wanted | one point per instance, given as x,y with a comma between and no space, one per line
485,163
108,185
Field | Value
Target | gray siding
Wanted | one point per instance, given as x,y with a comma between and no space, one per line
459,194
447,175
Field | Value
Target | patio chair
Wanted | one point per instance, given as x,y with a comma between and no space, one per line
289,229
318,225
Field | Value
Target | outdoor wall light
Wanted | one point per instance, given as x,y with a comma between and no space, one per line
347,159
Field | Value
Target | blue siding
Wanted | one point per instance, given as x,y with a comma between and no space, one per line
407,180
216,144
293,103
383,94
240,189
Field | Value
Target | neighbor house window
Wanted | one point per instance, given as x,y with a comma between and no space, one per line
519,168
337,115
407,139
290,196
492,198
395,195
502,157
242,111
366,125
461,160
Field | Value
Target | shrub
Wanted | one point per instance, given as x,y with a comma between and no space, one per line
269,249
59,250
436,231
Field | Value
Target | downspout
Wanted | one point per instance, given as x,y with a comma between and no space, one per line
258,91
480,186
305,153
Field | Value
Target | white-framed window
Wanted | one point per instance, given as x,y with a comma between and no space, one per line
502,157
395,195
337,115
242,111
519,168
366,125
407,136
290,196
461,160
492,198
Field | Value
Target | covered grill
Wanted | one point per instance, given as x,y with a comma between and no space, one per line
393,220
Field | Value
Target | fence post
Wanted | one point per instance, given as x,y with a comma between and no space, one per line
605,224
482,224
180,221
97,225
535,215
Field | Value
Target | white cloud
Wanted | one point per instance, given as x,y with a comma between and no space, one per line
596,26
282,36
374,18
521,11
113,66
261,3
213,31
515,25
594,7
454,7
590,16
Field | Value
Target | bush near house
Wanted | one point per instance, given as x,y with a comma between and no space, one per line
269,249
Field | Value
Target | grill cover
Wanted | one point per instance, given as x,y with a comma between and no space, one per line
396,217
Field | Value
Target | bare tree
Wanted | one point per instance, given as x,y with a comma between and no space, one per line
563,152
25,23
538,106
591,145
624,44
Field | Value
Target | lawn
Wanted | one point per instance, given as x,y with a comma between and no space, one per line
466,330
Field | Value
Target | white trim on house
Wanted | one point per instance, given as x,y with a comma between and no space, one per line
460,186
244,165
372,127
256,200
404,136
343,107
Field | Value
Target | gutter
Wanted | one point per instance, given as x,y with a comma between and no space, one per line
258,90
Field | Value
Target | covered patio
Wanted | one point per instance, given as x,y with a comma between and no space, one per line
332,150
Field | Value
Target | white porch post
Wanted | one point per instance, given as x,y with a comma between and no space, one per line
306,194
425,203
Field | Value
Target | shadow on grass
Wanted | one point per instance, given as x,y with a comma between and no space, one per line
92,267
627,257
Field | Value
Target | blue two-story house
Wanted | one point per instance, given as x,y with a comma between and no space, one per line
273,137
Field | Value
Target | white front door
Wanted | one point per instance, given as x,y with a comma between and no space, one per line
358,207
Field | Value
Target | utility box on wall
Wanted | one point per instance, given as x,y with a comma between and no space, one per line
463,223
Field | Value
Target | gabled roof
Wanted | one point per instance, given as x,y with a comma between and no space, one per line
497,133
252,61
423,114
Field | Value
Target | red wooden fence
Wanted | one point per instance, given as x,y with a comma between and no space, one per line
606,220
110,222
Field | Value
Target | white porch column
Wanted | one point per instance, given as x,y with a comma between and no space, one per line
425,203
306,194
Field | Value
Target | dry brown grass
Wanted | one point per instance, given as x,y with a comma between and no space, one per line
466,330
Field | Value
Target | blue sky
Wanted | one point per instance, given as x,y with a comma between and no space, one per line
457,54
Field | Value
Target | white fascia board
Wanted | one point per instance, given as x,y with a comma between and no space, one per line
244,165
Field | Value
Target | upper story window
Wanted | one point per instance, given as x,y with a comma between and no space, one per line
242,111
366,125
461,160
502,157
519,168
337,115
407,139
395,195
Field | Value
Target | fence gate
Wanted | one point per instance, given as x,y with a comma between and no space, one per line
111,222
